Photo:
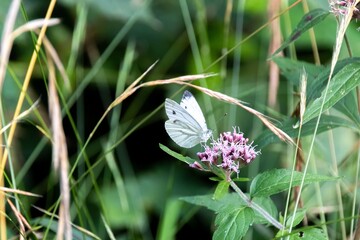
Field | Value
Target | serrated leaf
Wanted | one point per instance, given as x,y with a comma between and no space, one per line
299,216
233,223
340,85
308,21
309,234
215,205
176,155
278,180
349,106
317,76
303,234
316,86
327,122
268,205
233,200
221,189
291,69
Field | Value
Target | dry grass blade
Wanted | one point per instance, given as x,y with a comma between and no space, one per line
25,84
177,80
303,82
132,88
275,43
5,49
7,40
184,80
220,96
17,191
142,76
90,234
60,156
22,221
19,117
33,25
55,57
19,218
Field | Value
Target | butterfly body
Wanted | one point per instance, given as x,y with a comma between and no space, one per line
186,125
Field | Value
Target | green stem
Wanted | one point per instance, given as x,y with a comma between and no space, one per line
256,207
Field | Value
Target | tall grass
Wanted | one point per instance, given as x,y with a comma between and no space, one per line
82,118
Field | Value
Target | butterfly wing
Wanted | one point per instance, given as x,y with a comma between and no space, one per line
181,135
182,127
189,103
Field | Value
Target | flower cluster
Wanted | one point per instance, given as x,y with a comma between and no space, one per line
230,152
341,7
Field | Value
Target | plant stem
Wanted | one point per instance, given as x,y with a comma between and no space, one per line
256,207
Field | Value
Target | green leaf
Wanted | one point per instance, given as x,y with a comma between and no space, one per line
215,179
278,180
233,223
233,200
316,86
291,69
340,85
176,155
215,205
326,123
268,205
299,216
308,21
349,106
221,189
317,76
309,234
168,226
242,179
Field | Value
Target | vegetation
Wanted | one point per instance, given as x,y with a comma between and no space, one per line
85,153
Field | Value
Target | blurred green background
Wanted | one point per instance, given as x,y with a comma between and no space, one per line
106,45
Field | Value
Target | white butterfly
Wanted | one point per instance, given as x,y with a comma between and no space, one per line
186,125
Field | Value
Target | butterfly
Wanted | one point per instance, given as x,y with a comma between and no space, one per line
186,125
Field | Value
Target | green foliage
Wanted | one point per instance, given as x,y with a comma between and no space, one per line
278,180
232,200
168,226
307,234
121,185
340,96
340,85
52,225
235,215
233,223
221,189
327,123
308,21
348,106
317,75
176,155
299,216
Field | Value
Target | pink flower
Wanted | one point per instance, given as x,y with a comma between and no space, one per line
229,152
341,7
